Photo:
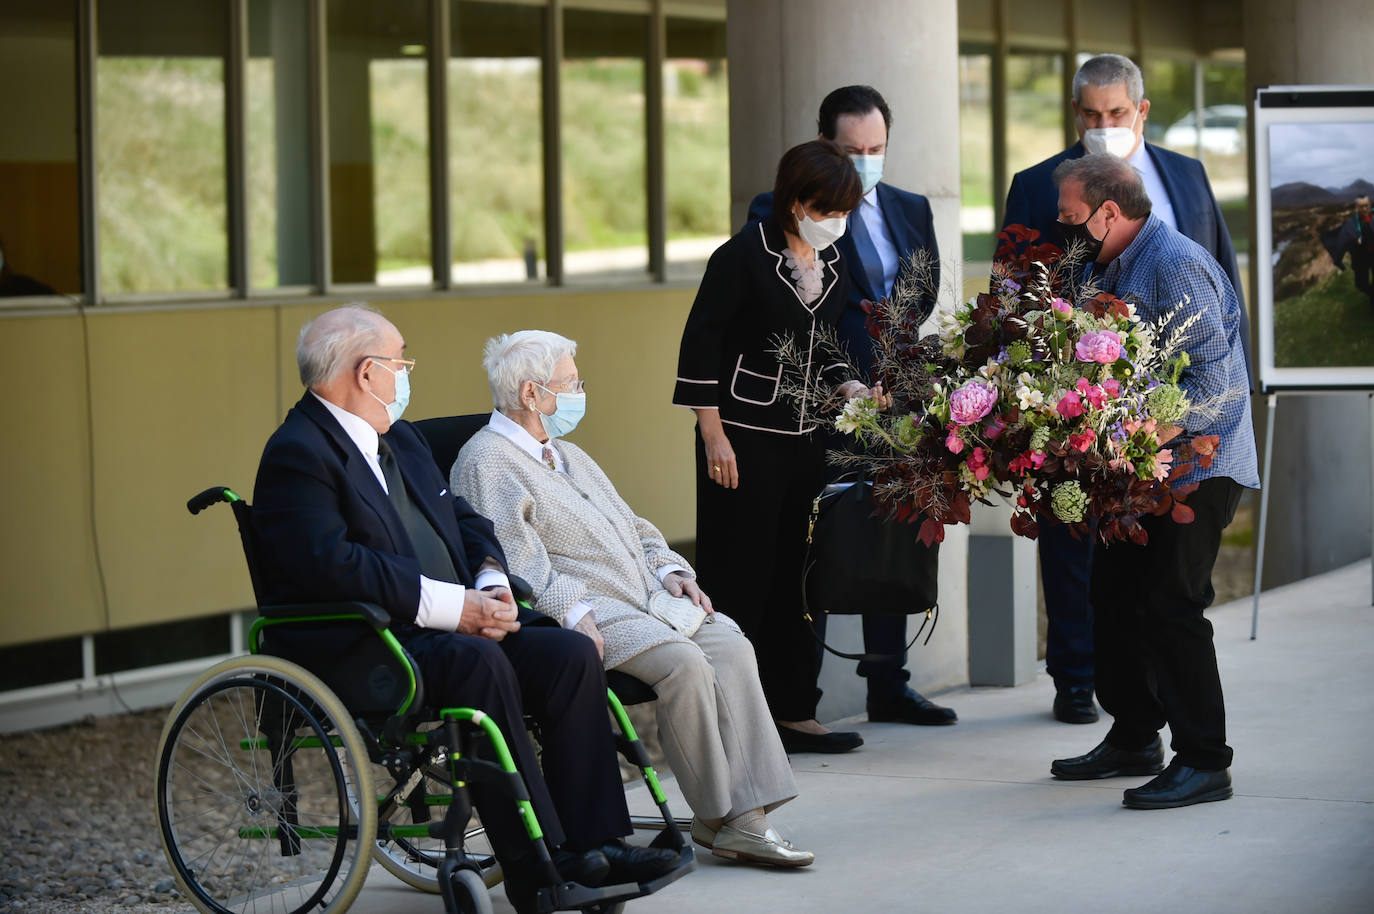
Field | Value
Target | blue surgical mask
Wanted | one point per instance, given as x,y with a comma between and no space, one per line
567,412
870,169
397,407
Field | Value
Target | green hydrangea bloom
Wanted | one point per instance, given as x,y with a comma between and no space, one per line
1167,404
1019,352
1039,438
1069,502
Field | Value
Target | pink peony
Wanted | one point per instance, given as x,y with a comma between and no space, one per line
953,441
971,402
1101,346
1061,307
1070,407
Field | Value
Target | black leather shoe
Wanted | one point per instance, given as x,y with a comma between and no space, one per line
636,864
587,867
1106,761
911,708
1180,785
794,741
1075,706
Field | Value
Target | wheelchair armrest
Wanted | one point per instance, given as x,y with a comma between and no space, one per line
371,613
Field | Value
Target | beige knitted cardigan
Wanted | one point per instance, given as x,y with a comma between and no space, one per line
571,536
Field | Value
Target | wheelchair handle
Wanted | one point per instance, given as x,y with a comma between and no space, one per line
211,496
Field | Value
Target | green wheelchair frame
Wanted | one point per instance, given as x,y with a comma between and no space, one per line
263,769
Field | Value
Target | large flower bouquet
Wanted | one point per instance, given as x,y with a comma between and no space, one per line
1069,412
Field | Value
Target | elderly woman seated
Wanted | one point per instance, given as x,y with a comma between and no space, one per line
598,568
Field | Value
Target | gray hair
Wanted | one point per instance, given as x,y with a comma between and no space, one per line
1105,177
1107,70
511,359
337,340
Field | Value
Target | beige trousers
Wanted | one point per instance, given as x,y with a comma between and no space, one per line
717,733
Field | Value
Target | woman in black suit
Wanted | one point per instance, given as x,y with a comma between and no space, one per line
759,461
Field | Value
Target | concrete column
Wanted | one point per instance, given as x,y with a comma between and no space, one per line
291,67
784,57
1319,507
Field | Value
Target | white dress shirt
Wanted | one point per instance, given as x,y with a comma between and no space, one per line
441,602
1154,185
516,432
872,214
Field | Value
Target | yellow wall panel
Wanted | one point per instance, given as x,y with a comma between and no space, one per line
183,399
48,582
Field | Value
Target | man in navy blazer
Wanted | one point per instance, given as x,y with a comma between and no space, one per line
887,228
1110,107
349,505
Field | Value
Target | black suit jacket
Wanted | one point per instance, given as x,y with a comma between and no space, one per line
911,226
327,530
1033,201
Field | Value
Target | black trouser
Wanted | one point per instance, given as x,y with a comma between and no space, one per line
1156,663
555,675
750,547
1362,265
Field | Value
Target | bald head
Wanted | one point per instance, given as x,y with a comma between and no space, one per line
333,343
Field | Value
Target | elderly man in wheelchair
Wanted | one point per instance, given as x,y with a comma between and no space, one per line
384,597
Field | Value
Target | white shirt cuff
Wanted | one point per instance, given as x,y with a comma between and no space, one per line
575,614
664,570
491,578
441,604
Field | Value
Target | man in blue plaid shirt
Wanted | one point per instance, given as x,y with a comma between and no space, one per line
1156,663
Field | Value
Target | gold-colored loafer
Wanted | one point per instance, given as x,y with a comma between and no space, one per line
769,848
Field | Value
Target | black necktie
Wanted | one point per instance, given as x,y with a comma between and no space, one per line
435,561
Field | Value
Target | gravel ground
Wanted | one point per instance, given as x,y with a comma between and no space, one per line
80,830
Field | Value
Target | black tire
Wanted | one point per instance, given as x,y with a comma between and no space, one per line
254,770
471,893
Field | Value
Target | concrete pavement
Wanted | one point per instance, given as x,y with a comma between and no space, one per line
967,818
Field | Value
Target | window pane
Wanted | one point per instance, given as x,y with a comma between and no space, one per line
160,146
278,116
1035,109
40,229
696,115
605,222
496,166
977,208
1224,150
379,142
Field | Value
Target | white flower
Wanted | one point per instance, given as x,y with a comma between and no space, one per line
1029,397
990,370
857,413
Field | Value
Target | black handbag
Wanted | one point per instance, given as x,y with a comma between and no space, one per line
859,563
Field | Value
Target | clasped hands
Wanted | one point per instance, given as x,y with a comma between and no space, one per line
851,389
489,613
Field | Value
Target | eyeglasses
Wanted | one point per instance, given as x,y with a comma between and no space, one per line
407,365
572,387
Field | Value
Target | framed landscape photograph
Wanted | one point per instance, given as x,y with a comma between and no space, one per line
1314,179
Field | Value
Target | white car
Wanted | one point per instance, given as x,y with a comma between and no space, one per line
1223,131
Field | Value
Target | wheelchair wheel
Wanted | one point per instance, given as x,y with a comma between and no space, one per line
254,769
470,893
414,858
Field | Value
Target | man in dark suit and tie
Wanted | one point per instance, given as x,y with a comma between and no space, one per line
1110,108
349,505
887,227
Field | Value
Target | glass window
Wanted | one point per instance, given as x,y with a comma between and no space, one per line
160,146
40,228
495,140
278,163
1225,144
379,142
977,208
696,127
605,217
1036,109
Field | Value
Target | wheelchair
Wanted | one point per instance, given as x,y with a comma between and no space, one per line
282,775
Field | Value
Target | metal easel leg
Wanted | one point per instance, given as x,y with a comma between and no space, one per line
1272,400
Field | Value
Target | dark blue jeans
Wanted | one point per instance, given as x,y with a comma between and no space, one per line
1066,573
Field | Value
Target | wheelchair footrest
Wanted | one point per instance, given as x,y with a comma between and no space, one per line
570,896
